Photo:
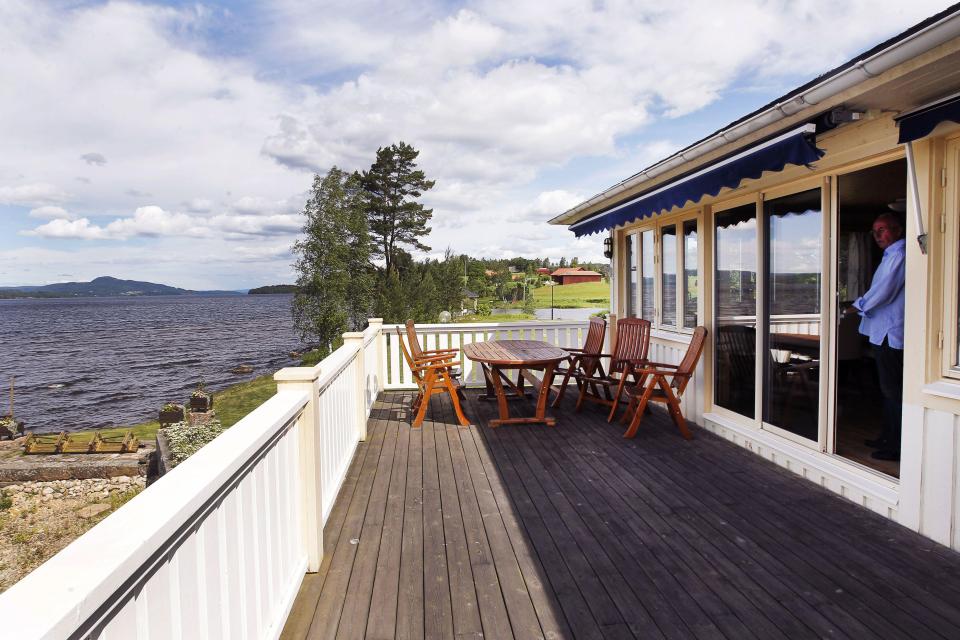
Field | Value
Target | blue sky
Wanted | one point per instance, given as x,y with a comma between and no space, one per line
175,142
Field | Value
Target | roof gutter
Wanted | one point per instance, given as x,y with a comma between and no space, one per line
915,44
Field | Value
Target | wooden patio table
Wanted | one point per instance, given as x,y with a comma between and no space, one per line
495,356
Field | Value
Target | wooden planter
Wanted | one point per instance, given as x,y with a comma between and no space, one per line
171,416
200,404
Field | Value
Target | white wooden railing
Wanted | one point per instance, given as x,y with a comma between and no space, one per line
450,336
219,546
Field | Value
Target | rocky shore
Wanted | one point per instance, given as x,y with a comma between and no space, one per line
38,519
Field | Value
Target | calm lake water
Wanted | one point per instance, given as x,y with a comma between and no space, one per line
96,362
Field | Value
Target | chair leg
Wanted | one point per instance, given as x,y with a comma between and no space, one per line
424,400
677,415
641,406
563,389
616,398
448,383
583,394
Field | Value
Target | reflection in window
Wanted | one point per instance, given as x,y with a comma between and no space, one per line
690,274
631,260
736,309
668,268
646,276
792,304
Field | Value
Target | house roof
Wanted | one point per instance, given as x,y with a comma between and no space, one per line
574,271
795,106
470,294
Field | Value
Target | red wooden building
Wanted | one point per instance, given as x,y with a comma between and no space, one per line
573,275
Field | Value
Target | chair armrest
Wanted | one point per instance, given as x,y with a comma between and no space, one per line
434,358
433,351
434,366
650,363
650,371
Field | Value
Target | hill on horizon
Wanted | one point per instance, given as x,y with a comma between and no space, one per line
102,287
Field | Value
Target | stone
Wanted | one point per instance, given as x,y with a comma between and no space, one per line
47,491
93,510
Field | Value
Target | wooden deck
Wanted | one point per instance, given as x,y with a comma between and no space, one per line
573,532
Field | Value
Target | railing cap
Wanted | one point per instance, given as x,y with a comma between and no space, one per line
297,374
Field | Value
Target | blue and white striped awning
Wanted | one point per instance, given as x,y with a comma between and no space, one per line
795,147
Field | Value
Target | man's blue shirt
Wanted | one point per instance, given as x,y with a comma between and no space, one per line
881,308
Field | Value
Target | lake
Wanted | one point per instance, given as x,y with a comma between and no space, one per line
85,363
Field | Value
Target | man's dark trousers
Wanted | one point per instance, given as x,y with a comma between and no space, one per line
890,373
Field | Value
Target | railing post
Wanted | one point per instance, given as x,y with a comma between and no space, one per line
308,445
381,353
355,340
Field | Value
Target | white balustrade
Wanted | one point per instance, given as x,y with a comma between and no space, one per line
218,547
454,336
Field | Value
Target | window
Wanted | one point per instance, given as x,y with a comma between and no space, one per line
653,258
668,270
647,304
630,259
735,309
690,281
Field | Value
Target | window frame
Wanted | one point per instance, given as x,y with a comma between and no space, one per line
949,228
655,226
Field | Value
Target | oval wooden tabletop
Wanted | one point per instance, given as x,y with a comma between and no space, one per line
514,352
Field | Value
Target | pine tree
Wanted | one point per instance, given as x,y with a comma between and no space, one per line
391,188
334,281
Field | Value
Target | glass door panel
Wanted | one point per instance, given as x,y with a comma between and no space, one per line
736,309
668,283
690,284
794,280
647,306
630,258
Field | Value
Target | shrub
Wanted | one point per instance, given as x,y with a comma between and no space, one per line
483,309
186,440
5,502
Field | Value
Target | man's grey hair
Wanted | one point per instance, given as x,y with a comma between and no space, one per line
891,220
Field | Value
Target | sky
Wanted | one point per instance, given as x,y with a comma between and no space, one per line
176,142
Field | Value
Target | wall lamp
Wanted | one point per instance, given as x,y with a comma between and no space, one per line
608,247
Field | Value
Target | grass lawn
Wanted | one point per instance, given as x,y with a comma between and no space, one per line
574,296
231,404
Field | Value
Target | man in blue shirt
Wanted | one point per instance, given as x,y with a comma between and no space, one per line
881,310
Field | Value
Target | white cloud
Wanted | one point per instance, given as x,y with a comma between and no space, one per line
51,212
80,229
517,109
31,195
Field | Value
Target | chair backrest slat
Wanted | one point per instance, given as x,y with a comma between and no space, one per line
633,342
691,357
406,356
413,339
593,344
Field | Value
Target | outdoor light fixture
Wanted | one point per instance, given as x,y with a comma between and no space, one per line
608,247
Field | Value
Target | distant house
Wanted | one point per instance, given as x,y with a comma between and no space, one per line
573,275
543,271
469,301
489,273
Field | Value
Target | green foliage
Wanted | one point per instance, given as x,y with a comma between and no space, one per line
483,309
5,502
390,191
273,288
334,278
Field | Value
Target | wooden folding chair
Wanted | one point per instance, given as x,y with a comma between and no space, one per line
631,346
432,373
659,389
583,362
419,353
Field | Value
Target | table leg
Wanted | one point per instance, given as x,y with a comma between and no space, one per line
487,376
501,398
544,395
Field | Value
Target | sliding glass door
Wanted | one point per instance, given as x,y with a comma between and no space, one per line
793,282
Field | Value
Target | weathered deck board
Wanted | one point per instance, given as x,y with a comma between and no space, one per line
530,531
